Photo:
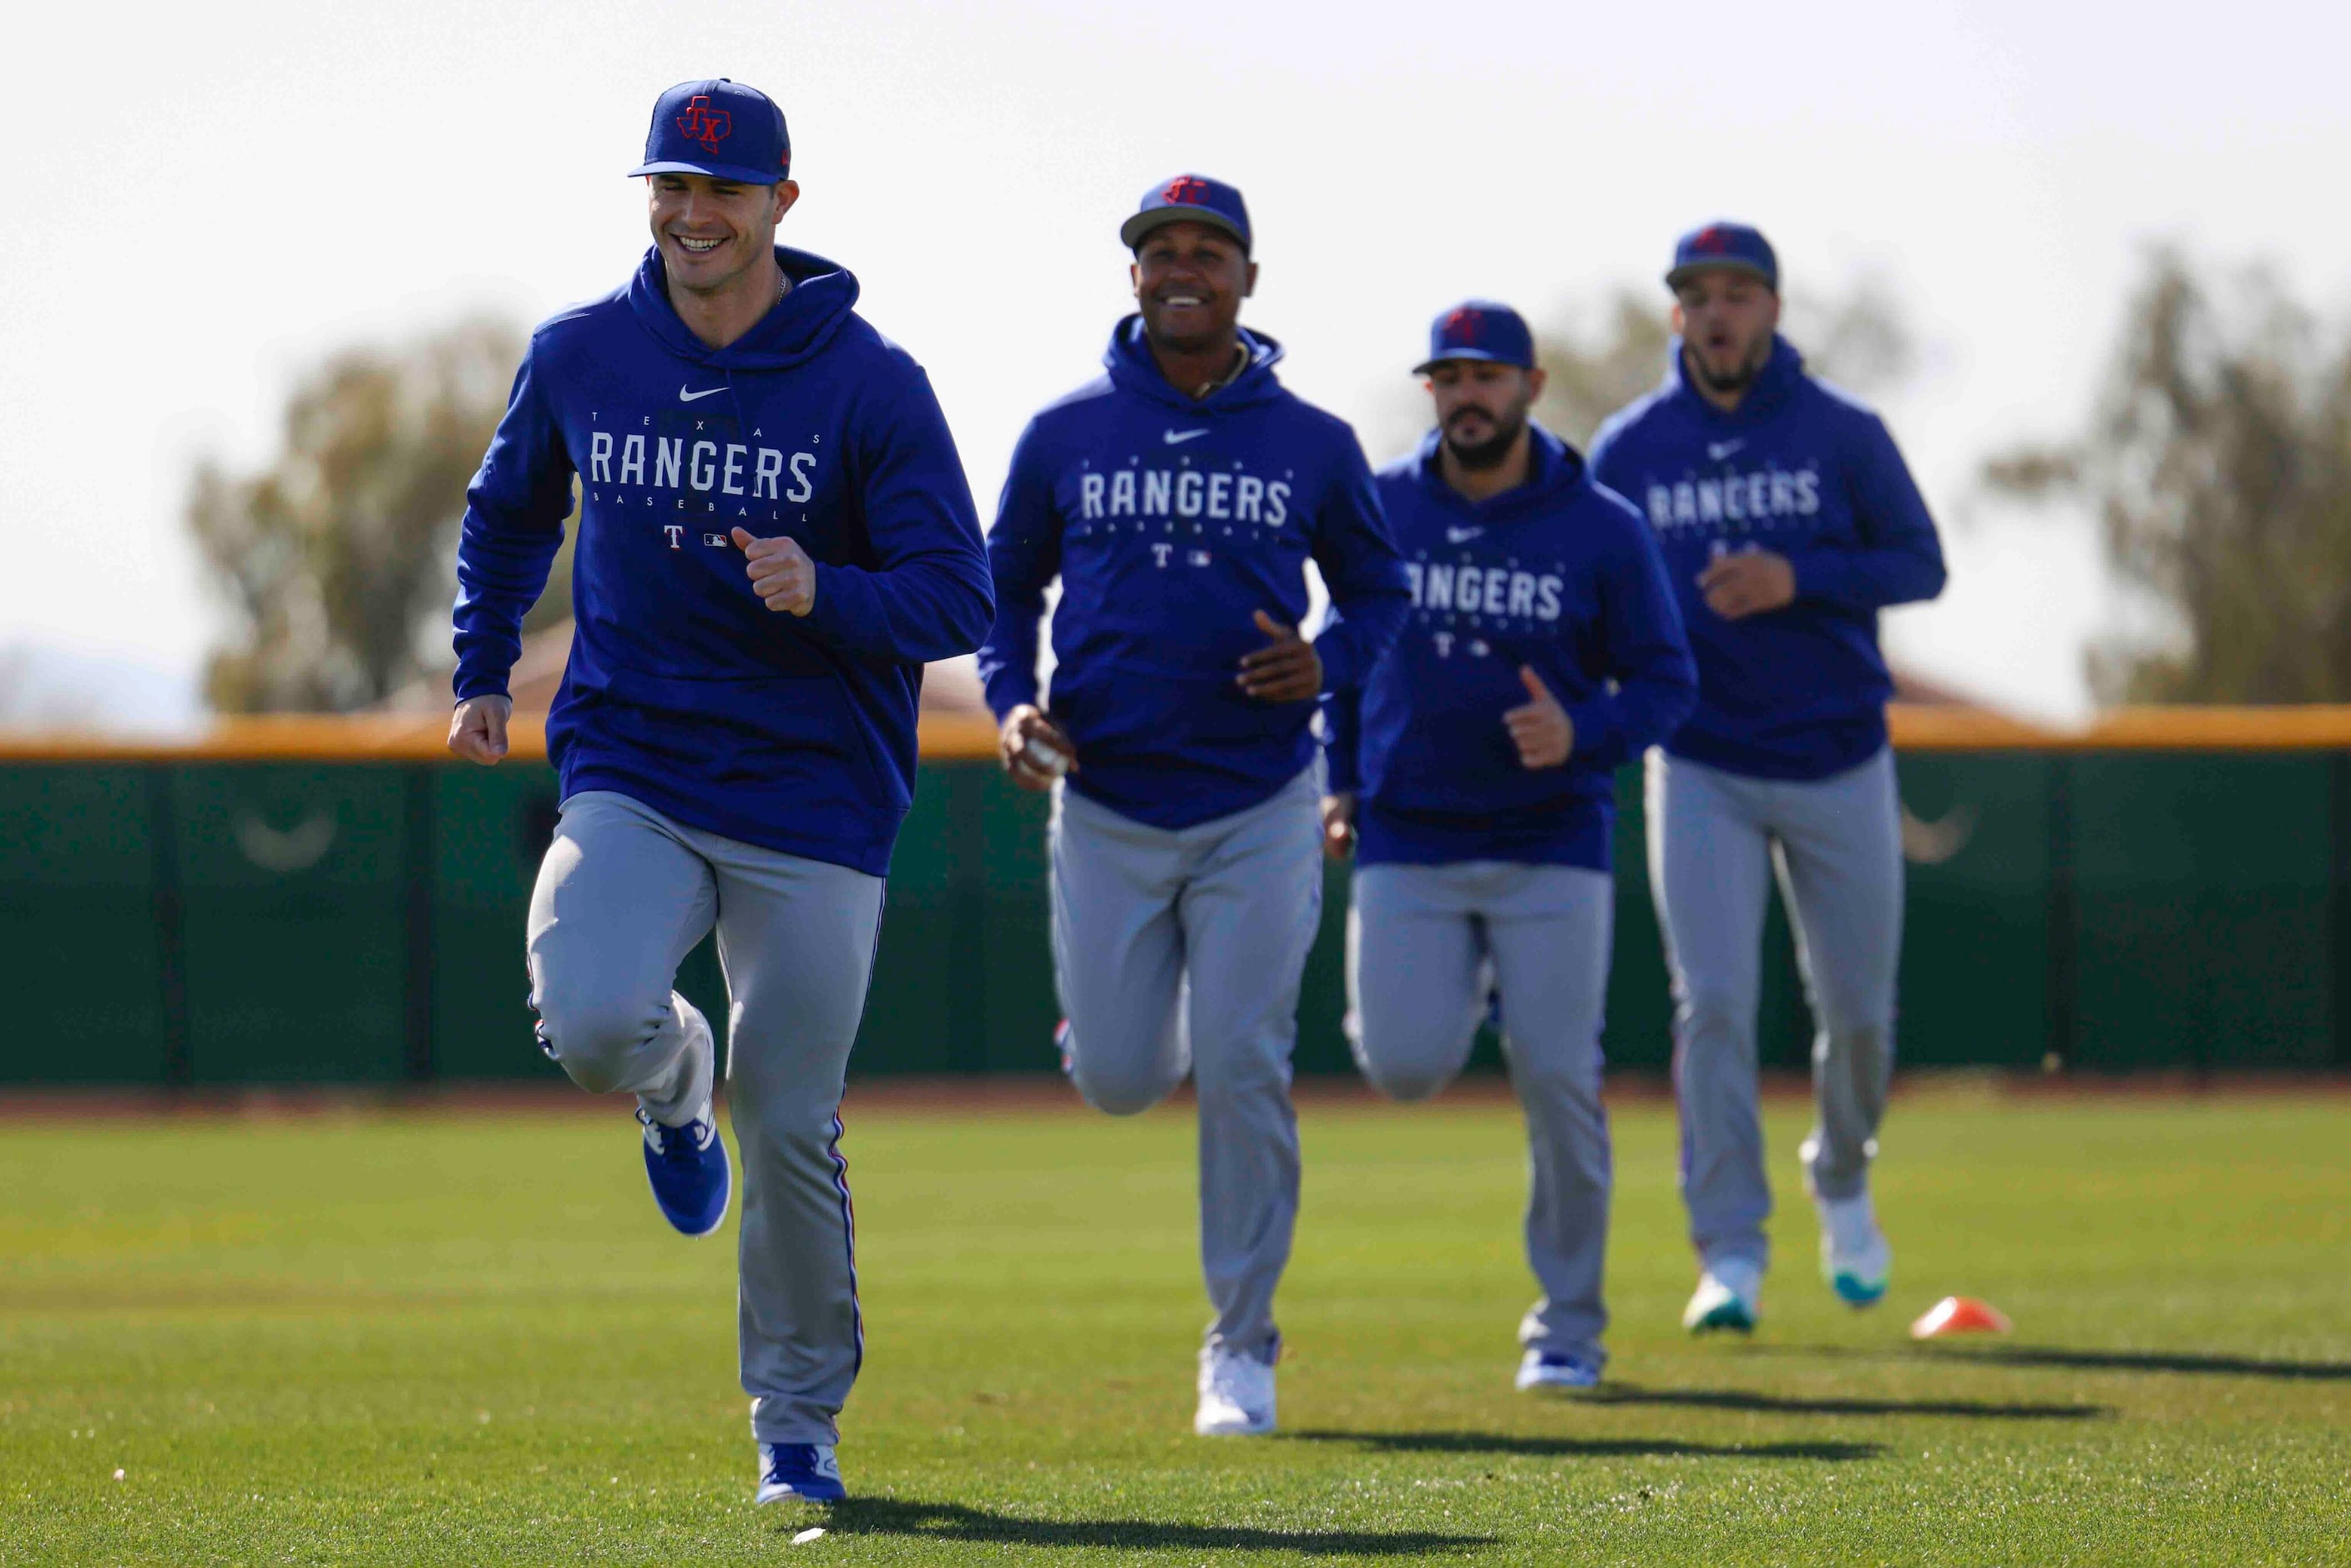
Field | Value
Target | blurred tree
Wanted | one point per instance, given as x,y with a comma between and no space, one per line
23,699
1856,339
1600,359
2218,463
338,559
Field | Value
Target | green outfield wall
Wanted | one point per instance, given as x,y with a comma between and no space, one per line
210,921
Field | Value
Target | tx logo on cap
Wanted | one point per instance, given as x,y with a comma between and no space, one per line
1465,325
1186,189
702,124
1710,240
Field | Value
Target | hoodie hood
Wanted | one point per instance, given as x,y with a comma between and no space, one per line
1133,369
1554,471
1775,384
805,320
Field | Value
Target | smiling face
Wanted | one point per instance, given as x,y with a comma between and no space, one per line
1481,407
712,232
1726,317
1189,281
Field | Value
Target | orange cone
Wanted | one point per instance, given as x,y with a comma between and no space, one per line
1960,1315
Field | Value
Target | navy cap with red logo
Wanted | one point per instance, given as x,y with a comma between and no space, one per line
1480,329
721,129
1735,247
1188,198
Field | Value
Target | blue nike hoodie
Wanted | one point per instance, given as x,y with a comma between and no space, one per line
1170,521
683,691
1803,470
1556,575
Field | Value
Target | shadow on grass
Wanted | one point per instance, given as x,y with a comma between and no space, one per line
2083,1359
2152,1361
1774,1404
949,1521
1587,1448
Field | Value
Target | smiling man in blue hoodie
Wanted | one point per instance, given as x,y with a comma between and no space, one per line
1178,499
775,536
1788,521
1476,775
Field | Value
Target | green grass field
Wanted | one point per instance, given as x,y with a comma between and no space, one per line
466,1338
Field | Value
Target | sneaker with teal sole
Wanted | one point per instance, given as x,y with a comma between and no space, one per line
1727,1298
1856,1258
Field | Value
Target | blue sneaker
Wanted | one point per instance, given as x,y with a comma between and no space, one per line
801,1472
1549,1371
687,1165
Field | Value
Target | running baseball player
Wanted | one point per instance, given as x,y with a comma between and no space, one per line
1475,775
1788,521
1178,498
775,535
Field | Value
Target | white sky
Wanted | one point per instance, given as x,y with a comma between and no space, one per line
211,198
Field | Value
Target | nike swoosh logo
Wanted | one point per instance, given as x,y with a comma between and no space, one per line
1719,450
686,396
1177,437
1461,536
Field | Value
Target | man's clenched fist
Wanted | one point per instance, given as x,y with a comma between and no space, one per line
1747,582
1541,730
1286,670
477,730
1338,826
781,572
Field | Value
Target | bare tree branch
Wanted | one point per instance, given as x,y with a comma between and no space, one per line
337,560
2216,463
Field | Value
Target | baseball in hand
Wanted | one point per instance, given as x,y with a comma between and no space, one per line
1045,756
1034,749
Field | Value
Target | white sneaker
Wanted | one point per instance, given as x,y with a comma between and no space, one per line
1235,1396
1856,1258
1543,1371
1727,1298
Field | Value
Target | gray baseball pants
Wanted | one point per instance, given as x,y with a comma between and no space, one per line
623,896
1714,840
1424,943
1180,950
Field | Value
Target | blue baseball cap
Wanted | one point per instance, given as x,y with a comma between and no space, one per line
1735,247
1188,198
721,129
1480,329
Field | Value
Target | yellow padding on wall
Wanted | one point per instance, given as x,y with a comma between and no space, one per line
958,737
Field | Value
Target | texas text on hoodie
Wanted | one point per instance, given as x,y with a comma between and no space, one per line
1802,470
1170,523
683,691
1556,574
